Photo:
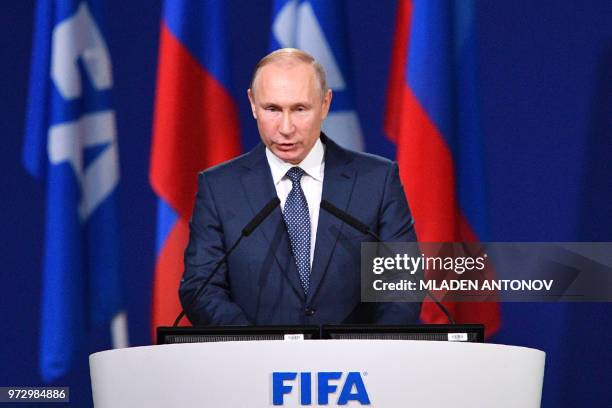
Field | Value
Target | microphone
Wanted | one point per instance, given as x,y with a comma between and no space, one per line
260,216
246,231
347,218
364,229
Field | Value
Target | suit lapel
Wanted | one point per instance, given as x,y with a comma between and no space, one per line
338,183
259,187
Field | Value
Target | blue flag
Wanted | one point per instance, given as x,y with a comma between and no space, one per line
70,143
318,27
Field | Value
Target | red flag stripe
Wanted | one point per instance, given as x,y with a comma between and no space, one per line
195,125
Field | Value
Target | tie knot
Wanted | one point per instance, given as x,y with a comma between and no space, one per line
295,174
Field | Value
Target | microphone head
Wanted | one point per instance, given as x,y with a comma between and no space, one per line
261,215
345,217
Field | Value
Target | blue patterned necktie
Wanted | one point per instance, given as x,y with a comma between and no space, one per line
297,219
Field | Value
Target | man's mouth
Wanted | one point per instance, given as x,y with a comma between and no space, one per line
285,146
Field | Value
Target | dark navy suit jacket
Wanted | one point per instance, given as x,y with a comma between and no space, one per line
259,284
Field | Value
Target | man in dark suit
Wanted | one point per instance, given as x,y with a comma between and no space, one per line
302,265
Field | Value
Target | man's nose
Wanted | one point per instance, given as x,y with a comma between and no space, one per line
286,126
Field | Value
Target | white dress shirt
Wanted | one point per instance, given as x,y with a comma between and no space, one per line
311,182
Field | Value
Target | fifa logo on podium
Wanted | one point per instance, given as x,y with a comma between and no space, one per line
351,386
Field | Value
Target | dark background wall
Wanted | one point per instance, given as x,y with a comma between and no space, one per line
546,83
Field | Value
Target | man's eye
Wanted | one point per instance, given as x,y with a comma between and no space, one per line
271,109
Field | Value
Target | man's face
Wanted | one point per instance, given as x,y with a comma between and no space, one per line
287,104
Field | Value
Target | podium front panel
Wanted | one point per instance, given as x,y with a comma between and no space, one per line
351,373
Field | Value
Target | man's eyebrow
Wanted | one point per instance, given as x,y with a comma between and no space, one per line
301,104
293,105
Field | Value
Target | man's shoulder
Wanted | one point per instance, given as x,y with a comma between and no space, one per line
360,160
233,167
371,160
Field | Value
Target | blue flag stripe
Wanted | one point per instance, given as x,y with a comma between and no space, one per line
34,159
202,33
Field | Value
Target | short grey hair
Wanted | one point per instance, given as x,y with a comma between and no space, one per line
292,55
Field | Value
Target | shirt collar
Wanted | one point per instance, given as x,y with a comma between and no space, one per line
311,164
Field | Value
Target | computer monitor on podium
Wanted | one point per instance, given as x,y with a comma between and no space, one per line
425,332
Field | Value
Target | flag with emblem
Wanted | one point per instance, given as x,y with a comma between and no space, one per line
319,28
71,145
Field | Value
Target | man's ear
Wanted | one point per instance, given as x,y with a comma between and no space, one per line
252,102
326,103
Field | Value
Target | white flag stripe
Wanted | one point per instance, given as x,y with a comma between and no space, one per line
345,130
283,26
77,38
67,139
66,143
310,38
101,178
119,331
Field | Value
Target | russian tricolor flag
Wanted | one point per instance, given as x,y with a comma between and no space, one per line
433,117
195,127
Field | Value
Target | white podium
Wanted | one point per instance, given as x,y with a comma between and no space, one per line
352,373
